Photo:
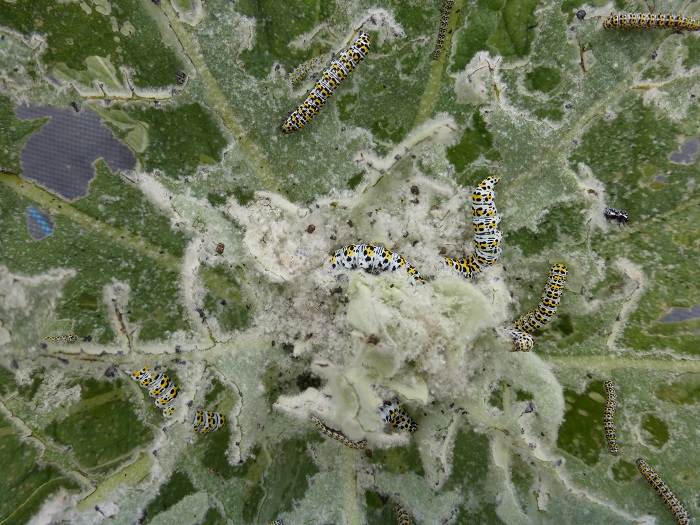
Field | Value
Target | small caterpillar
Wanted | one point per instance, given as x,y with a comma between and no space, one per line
443,28
651,21
372,259
338,435
397,417
543,313
298,74
608,415
402,516
330,79
487,236
65,338
678,510
160,386
277,522
205,422
616,215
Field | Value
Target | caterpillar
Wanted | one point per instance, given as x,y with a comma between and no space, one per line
397,417
298,74
160,387
608,415
648,20
65,338
616,215
487,236
522,341
402,516
277,522
678,510
205,422
372,259
443,28
543,313
330,79
338,435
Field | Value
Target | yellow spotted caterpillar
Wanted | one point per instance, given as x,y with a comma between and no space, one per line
372,259
608,417
300,72
402,516
678,510
522,341
65,338
205,422
397,417
651,21
160,386
444,21
338,435
487,236
543,313
330,79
